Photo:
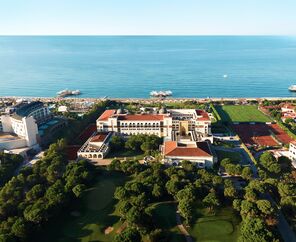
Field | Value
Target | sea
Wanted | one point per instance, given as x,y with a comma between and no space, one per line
133,66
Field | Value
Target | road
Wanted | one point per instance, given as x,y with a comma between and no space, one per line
182,228
246,160
283,226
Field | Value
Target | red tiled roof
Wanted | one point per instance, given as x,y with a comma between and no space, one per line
204,115
99,137
141,117
293,142
288,106
171,148
107,114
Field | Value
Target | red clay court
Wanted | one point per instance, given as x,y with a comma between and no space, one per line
260,134
280,134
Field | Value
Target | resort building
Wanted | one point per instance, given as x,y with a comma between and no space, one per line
186,132
18,132
96,147
292,153
288,112
288,108
37,110
172,124
19,127
200,153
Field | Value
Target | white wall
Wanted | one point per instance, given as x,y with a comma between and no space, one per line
13,144
25,128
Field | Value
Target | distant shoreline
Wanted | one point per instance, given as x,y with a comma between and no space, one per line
171,99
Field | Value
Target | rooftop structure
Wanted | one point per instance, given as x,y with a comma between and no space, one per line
168,123
18,133
96,147
37,110
197,152
187,133
288,111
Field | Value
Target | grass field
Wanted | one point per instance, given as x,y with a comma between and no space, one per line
91,216
125,154
221,227
165,214
241,113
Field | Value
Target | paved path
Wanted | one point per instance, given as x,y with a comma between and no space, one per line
283,226
182,228
286,231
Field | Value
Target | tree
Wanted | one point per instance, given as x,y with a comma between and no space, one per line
231,169
247,173
172,187
115,165
230,192
256,185
140,201
116,143
36,213
248,209
265,207
269,162
78,190
225,162
186,210
134,216
236,204
217,180
157,191
211,201
188,166
55,194
250,195
187,194
120,193
123,207
20,228
130,234
36,192
254,230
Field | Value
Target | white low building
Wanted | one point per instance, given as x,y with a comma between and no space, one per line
199,153
292,153
96,147
18,132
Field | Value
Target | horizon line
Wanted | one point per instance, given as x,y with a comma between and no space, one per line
148,35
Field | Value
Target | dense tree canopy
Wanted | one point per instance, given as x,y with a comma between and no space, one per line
38,193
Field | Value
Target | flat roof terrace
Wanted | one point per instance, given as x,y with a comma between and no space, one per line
4,137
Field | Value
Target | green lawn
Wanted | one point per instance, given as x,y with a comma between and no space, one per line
241,113
125,154
220,227
234,156
92,215
165,214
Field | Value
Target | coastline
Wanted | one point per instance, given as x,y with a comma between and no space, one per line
177,99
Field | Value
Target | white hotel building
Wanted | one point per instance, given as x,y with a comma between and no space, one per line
170,124
292,153
186,133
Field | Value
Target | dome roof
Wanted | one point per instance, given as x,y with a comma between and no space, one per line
163,110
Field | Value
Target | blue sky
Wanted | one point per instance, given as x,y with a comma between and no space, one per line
146,17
